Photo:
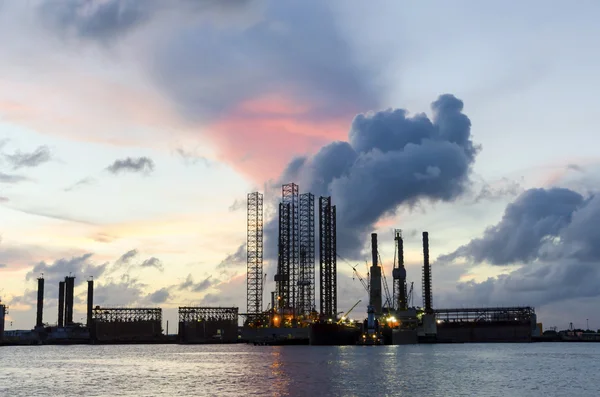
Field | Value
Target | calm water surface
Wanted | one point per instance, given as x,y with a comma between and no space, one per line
542,369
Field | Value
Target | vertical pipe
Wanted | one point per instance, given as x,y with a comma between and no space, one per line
69,295
426,275
90,302
40,303
375,283
61,303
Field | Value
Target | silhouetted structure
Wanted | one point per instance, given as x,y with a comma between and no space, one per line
39,321
375,299
69,297
208,324
114,325
254,246
61,304
327,257
399,274
306,283
90,303
427,297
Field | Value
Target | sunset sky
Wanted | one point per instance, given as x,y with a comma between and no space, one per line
131,132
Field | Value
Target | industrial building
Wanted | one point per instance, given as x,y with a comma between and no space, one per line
126,325
208,325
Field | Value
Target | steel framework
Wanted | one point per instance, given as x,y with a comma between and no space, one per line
254,246
290,196
327,257
282,278
488,314
427,297
399,273
191,314
306,283
117,314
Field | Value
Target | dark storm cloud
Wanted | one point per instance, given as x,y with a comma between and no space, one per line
294,49
534,217
391,159
141,164
38,157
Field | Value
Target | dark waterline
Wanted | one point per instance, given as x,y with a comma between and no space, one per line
541,369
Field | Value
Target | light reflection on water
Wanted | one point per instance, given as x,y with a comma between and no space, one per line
551,369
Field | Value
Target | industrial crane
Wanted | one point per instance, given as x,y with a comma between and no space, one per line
345,316
386,289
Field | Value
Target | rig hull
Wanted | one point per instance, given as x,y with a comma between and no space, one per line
332,334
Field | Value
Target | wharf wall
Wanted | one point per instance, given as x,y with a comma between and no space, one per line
256,334
127,331
482,332
209,331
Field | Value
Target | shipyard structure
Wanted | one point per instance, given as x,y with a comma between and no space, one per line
120,325
293,315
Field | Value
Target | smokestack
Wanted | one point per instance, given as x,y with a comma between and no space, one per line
40,303
69,292
90,302
2,315
426,275
375,282
61,304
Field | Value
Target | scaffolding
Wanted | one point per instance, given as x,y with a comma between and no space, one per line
290,197
327,257
191,314
306,283
282,278
517,314
126,315
254,246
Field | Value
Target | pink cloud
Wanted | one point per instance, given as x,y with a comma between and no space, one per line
259,137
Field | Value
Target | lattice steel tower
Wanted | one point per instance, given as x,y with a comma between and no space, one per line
399,273
306,283
254,246
282,278
427,296
290,197
327,258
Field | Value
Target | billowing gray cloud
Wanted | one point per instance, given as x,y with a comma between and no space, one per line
528,223
391,159
191,158
504,188
127,257
199,67
153,262
12,178
552,234
80,183
38,157
235,259
108,20
201,286
159,296
2,266
141,164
